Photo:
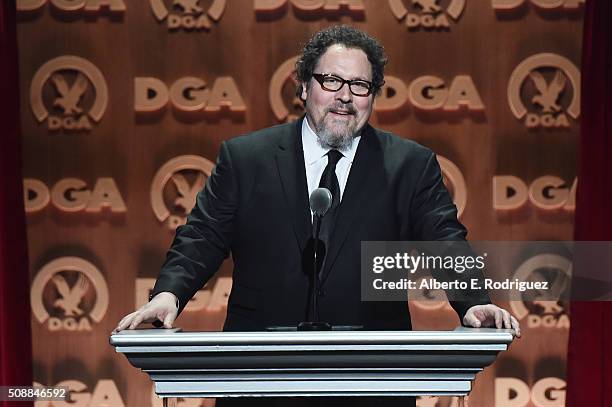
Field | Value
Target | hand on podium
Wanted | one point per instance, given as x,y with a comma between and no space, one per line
489,315
163,307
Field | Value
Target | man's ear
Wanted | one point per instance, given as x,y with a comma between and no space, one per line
304,94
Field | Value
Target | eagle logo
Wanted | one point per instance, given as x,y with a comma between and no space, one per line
429,14
70,298
188,6
58,89
545,102
428,6
549,307
549,93
69,96
187,194
558,286
188,14
172,172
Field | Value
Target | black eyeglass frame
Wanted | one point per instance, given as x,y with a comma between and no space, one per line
320,77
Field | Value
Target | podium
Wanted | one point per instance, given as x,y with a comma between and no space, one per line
307,364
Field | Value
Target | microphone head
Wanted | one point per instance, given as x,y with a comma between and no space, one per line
320,201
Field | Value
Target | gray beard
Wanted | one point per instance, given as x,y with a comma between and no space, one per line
339,141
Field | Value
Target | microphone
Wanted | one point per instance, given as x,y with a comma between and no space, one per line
320,202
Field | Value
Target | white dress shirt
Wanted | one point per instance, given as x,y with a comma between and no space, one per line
315,159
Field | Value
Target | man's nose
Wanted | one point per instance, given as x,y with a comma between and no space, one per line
344,94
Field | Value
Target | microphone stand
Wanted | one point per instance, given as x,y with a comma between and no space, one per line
315,324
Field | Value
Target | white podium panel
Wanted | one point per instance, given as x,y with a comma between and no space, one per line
296,364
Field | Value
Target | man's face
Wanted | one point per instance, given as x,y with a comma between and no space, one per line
338,116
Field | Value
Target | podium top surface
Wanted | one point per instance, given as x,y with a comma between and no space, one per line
311,363
170,337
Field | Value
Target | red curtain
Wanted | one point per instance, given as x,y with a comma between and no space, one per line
589,370
15,337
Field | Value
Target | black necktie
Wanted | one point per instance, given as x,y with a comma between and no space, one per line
329,180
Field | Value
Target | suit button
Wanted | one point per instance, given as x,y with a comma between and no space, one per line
322,292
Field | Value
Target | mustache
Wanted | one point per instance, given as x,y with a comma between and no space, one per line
347,108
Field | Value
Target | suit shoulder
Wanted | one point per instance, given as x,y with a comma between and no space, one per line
396,145
261,139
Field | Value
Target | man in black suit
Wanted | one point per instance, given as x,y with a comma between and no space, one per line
255,205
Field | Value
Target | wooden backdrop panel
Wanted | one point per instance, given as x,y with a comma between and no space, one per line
248,46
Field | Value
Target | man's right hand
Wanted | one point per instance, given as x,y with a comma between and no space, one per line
162,307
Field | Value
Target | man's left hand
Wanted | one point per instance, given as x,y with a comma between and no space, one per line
489,315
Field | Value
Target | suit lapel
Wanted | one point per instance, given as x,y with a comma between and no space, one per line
360,182
292,172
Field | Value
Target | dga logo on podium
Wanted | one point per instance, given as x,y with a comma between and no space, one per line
104,394
175,187
428,14
73,6
69,293
544,90
544,313
426,93
68,92
188,15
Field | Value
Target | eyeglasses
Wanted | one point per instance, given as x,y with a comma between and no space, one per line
333,83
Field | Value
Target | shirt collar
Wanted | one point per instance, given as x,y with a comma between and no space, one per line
313,150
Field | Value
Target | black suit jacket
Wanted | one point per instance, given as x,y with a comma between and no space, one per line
255,205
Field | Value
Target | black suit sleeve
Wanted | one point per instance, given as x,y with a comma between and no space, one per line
201,245
435,218
433,212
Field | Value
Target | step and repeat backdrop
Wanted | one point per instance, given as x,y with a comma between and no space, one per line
125,103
